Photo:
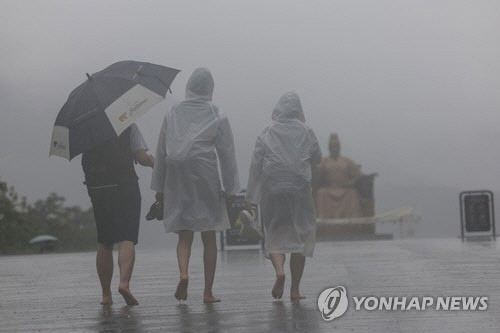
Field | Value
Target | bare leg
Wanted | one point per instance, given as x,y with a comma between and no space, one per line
297,263
183,255
210,262
126,260
104,265
278,260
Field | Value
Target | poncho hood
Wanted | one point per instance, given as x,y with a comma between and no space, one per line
200,85
288,107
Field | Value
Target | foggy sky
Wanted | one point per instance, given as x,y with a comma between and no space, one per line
411,87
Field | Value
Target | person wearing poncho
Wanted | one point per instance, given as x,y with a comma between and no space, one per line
195,137
280,181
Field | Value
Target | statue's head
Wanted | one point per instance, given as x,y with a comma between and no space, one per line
334,145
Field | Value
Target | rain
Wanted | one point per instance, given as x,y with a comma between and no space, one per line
410,87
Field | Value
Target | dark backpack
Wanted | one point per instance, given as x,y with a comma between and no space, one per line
110,163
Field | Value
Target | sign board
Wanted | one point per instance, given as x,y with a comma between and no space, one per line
476,211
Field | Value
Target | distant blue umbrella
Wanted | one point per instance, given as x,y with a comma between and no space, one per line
42,238
106,104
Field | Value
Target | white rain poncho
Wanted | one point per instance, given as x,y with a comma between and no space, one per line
280,179
193,135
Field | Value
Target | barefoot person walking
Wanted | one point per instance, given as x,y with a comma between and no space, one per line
114,191
194,138
280,181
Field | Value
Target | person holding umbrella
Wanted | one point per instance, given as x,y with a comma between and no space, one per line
98,120
114,192
195,137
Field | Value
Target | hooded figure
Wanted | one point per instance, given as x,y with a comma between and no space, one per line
194,134
280,179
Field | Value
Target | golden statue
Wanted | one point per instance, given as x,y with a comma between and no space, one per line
341,189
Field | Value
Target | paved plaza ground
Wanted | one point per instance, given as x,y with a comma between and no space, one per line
60,292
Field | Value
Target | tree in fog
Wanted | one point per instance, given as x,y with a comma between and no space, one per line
20,222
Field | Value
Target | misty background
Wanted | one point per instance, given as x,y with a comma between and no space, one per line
411,87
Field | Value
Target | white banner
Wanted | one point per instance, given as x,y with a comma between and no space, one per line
130,106
59,144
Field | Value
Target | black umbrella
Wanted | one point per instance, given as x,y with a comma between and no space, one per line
107,103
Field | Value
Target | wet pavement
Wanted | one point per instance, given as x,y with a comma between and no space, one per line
60,292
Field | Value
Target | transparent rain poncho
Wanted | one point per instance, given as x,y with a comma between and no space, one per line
280,179
194,134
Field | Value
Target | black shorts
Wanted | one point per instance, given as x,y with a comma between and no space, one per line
117,212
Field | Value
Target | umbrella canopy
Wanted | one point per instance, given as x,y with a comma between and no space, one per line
107,103
42,238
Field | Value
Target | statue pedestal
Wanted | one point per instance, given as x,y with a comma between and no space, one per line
359,231
332,230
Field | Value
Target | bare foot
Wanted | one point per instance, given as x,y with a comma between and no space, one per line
127,295
182,293
209,298
296,296
107,300
277,291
